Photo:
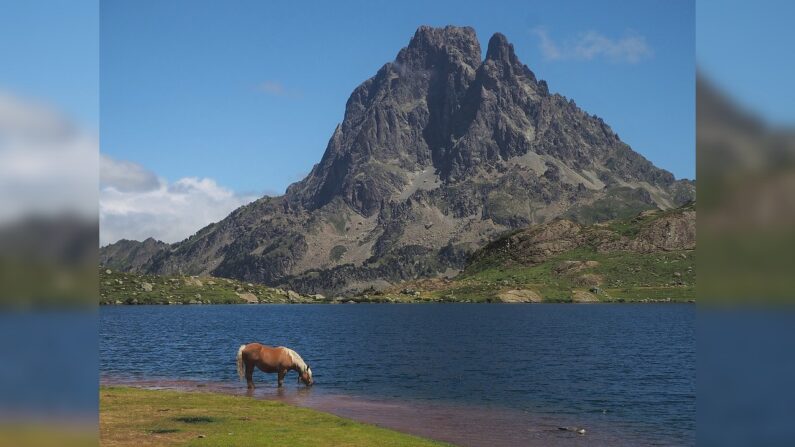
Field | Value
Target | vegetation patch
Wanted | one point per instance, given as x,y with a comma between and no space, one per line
131,288
127,417
195,419
161,431
337,252
619,203
339,222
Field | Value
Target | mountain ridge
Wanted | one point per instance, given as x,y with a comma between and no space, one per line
437,154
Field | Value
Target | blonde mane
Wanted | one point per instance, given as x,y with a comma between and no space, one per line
296,359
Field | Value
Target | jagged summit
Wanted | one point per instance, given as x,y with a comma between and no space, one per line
500,49
437,153
426,110
431,46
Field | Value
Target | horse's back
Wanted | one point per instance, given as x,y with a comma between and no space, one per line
264,353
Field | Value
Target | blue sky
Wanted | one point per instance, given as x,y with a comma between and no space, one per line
50,53
746,49
249,92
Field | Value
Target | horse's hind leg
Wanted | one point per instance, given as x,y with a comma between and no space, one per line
281,378
250,375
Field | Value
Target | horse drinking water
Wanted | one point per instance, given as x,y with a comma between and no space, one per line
278,360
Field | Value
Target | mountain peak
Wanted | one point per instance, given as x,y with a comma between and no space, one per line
431,45
500,49
502,62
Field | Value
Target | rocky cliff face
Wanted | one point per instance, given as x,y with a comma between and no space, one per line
437,153
131,255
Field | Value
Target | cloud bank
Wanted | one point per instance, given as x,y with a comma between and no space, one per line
48,166
135,204
593,45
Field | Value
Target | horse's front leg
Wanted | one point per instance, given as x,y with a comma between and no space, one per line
282,373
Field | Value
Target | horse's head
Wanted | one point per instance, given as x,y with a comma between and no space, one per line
305,375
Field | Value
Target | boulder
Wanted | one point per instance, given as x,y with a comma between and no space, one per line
193,281
520,296
589,280
581,296
147,287
574,266
249,297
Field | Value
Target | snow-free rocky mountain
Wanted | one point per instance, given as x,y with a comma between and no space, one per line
437,154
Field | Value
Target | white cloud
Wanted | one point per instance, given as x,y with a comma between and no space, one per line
47,165
276,88
125,175
591,45
166,211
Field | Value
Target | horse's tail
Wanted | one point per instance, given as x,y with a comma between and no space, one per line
240,361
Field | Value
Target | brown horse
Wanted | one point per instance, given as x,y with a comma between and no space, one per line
278,360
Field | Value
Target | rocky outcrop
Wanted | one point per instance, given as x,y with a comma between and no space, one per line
649,232
437,154
519,296
130,255
582,296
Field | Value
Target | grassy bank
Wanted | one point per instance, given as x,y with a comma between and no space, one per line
130,288
618,277
132,416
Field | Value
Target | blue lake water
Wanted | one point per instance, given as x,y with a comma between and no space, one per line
624,369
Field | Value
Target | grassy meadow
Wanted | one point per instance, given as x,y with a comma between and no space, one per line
136,417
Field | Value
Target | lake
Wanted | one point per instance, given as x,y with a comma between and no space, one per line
466,373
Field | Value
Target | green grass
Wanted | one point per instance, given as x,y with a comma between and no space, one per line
339,222
626,276
134,417
615,276
16,433
129,288
619,203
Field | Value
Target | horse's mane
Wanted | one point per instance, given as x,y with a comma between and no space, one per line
297,360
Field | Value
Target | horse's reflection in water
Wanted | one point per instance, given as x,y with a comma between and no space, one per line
280,393
305,392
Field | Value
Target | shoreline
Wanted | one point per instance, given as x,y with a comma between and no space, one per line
446,422
353,301
135,415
